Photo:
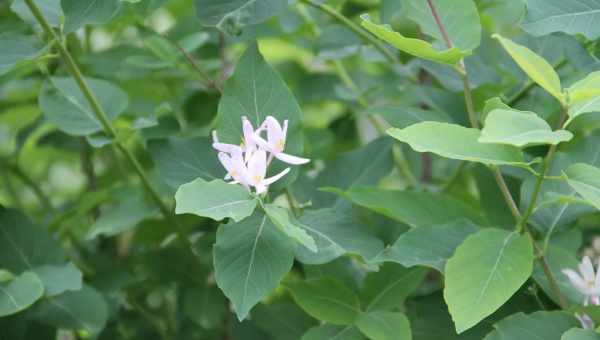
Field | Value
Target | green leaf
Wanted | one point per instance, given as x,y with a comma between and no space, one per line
50,9
536,67
535,326
206,306
484,272
181,161
459,18
79,13
558,259
123,216
283,219
215,199
231,15
64,104
387,288
585,180
402,116
256,90
384,325
331,332
580,334
572,17
17,48
417,47
413,208
456,142
84,309
24,246
362,166
59,279
414,247
520,129
326,300
335,234
250,258
282,320
20,293
584,96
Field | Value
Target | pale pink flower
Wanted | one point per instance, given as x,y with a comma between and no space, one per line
257,170
275,143
586,281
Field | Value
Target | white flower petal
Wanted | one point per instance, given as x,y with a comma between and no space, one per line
248,131
291,159
257,167
587,269
273,179
274,130
262,143
576,280
229,148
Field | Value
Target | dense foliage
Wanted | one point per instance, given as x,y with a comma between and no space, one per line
299,169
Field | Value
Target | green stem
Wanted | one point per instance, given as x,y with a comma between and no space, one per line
105,122
497,174
355,28
292,202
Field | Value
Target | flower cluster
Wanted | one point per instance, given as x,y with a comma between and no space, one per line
587,282
247,163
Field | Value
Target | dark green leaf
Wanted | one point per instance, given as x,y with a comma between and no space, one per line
572,17
59,279
383,325
390,286
83,12
535,326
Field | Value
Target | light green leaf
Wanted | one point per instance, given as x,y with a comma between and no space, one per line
585,180
402,116
384,325
20,293
414,247
64,104
413,208
215,199
79,13
250,258
459,18
584,96
256,90
535,326
456,142
50,9
128,212
24,246
484,272
283,219
335,234
282,320
332,332
572,17
84,309
536,67
417,47
558,259
580,334
59,279
520,129
232,15
387,288
326,300
17,48
181,161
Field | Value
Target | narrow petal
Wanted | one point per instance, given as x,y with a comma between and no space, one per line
587,269
229,148
576,280
273,179
285,128
225,160
248,131
214,136
291,159
257,167
274,130
239,172
597,282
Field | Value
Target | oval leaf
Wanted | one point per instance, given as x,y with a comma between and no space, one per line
485,271
282,218
572,17
384,325
20,293
585,180
215,199
456,142
250,258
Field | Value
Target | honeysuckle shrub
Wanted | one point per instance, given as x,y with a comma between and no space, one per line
299,169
